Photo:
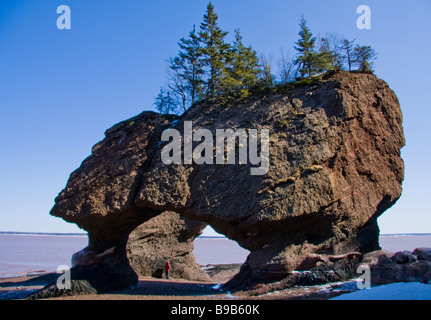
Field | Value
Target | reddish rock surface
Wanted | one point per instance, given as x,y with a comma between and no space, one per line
335,167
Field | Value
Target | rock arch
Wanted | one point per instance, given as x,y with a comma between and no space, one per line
335,166
167,236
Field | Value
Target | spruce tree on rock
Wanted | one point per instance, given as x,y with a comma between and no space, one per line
214,49
329,55
309,61
364,57
333,43
242,68
307,56
188,66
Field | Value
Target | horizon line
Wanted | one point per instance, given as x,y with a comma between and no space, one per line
201,236
75,234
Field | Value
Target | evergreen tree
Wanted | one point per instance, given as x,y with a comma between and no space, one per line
206,66
333,43
325,58
307,56
214,49
363,57
188,65
242,69
330,53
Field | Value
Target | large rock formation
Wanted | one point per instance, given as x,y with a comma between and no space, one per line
334,168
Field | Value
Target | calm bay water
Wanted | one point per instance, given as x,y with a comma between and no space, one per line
218,251
22,254
400,242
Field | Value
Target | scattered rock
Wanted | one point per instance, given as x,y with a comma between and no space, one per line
399,267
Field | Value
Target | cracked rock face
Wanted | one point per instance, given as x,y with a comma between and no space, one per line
334,168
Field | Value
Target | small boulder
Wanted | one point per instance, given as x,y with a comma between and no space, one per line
77,287
423,253
403,257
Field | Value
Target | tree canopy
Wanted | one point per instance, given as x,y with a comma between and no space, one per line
208,67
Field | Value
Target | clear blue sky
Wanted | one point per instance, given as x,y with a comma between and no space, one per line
61,89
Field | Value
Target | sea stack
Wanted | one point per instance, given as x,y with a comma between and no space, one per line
334,168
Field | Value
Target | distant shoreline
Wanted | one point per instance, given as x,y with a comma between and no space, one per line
18,233
404,234
23,233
